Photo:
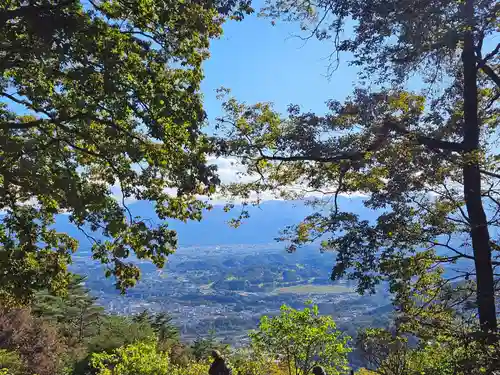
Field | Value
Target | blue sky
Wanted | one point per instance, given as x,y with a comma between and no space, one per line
261,62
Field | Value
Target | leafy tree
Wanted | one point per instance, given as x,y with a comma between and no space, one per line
141,358
192,368
364,371
302,340
249,362
117,331
77,314
202,347
161,323
35,343
180,353
95,95
426,161
114,332
384,351
390,353
86,327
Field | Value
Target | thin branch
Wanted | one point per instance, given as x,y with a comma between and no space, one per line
459,206
489,55
25,103
426,141
59,121
488,173
491,73
454,250
22,125
124,204
380,139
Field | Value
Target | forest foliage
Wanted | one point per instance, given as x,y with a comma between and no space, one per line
53,337
97,96
426,161
104,95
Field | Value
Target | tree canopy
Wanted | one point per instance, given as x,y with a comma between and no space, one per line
141,358
426,161
97,95
301,340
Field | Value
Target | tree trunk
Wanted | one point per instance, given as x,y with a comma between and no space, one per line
472,184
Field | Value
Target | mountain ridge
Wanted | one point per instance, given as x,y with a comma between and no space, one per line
263,225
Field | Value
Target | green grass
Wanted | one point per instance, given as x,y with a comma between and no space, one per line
314,289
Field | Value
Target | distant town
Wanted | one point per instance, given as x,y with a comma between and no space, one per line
226,289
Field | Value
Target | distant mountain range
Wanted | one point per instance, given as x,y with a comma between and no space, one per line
263,226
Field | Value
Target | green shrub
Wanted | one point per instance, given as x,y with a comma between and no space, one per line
137,359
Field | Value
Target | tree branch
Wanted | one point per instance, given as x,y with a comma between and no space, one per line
491,73
38,123
489,56
426,141
59,121
382,136
488,173
22,125
459,253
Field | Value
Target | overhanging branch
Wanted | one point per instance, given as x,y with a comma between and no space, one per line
381,138
488,173
23,125
432,143
490,55
491,74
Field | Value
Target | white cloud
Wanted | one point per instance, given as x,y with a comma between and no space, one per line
230,170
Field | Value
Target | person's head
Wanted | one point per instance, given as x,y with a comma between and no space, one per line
216,354
318,370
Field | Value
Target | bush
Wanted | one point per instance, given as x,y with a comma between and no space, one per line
10,363
137,359
301,340
192,368
252,363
